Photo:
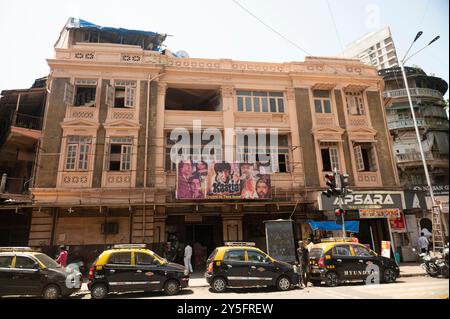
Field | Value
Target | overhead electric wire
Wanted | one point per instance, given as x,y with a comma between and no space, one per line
335,26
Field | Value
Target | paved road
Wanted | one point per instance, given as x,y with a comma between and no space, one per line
404,288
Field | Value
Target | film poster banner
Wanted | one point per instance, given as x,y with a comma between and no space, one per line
379,213
222,180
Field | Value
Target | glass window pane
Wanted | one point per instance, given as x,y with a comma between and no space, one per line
245,93
321,93
240,101
25,263
254,256
318,106
144,259
276,94
327,106
256,104
248,104
281,105
265,106
264,94
120,258
235,255
273,105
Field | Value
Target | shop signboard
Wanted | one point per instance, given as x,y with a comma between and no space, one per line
363,200
222,180
379,213
280,240
437,189
398,225
386,249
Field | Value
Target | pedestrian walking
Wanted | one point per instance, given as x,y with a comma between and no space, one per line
423,243
187,257
303,263
62,257
354,238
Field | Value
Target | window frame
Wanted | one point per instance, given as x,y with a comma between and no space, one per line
79,159
330,147
260,102
354,101
126,142
322,101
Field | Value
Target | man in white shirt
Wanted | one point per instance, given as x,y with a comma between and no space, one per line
423,243
187,257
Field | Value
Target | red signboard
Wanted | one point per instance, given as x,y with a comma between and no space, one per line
398,224
379,213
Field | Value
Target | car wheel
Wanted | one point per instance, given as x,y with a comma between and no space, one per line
389,275
171,287
219,284
99,291
51,292
331,279
283,283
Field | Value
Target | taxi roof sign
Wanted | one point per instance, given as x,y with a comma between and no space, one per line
128,246
336,239
18,249
239,243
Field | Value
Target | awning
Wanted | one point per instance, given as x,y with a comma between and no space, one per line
350,226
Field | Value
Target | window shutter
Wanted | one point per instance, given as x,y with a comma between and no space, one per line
110,92
125,161
107,152
129,96
359,158
69,94
373,160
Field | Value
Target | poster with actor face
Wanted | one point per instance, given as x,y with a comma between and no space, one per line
222,180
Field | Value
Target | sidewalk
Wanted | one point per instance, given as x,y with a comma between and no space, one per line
411,270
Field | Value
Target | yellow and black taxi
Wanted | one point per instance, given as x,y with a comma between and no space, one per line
132,267
242,265
25,271
342,260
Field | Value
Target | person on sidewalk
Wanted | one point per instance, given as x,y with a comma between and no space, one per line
423,243
303,261
62,257
187,257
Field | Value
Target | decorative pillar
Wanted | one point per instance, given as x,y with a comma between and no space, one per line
297,167
228,99
160,110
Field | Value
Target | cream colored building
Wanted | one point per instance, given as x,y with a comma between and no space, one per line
104,174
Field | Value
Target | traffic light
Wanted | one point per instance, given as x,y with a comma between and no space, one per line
344,184
338,214
331,183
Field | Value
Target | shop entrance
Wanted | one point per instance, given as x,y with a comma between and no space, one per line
372,232
203,237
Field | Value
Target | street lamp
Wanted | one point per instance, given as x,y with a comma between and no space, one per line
425,167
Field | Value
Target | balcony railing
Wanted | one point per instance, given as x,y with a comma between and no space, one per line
414,92
434,123
27,121
415,156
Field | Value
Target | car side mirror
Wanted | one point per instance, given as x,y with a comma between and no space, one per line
267,260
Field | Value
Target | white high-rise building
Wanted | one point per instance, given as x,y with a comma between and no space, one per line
376,48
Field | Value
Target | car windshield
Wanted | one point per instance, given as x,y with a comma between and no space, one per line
47,261
161,259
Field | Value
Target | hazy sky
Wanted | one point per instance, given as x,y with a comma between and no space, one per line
221,29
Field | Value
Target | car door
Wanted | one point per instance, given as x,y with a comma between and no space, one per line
5,274
149,274
365,262
344,262
26,278
262,270
119,271
235,268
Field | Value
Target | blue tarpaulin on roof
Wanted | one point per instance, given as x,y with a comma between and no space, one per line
350,226
79,23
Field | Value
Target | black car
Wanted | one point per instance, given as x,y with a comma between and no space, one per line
341,261
133,268
27,272
241,265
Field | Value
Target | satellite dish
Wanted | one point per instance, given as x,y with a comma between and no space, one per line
182,54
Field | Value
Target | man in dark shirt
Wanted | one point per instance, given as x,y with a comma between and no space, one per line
303,262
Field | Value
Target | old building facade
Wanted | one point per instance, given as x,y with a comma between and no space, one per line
104,171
